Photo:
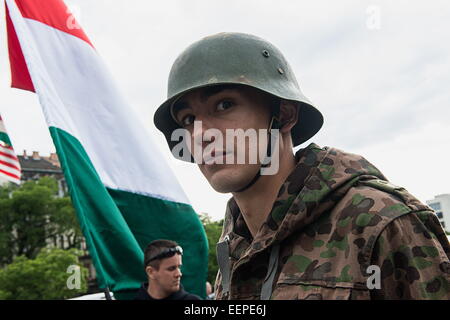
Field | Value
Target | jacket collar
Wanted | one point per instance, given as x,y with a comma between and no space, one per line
143,294
320,179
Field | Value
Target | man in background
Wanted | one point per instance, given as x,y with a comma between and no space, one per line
162,263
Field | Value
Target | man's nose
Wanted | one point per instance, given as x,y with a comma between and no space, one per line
201,125
200,135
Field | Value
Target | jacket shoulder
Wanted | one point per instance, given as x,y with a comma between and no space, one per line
366,210
337,247
373,203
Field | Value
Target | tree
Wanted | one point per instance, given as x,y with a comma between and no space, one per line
48,276
33,217
213,230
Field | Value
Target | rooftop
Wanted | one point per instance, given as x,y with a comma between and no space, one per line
36,162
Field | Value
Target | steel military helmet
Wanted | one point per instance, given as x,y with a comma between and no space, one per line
236,58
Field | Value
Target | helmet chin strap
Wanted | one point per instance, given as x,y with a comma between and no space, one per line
274,124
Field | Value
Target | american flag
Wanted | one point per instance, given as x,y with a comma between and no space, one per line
9,163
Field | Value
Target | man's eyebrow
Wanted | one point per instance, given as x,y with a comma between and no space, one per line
178,106
211,91
207,93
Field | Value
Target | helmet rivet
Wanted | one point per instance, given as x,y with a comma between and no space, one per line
280,71
265,53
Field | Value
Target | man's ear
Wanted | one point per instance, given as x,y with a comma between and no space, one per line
150,271
288,115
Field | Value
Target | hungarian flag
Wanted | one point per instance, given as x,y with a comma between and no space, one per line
9,163
124,193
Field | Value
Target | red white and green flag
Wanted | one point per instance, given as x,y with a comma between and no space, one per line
9,163
124,193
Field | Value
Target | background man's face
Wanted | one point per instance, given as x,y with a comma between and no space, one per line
168,276
221,108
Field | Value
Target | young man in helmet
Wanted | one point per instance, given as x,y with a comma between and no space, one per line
325,224
162,262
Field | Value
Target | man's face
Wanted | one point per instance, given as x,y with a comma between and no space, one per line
168,276
222,108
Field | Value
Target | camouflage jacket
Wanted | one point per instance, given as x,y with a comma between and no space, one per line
335,216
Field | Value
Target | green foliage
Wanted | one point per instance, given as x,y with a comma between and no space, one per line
32,217
213,231
44,277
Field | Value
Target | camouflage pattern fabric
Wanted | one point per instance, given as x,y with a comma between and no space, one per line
336,215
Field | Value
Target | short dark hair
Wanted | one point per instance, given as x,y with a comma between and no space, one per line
154,248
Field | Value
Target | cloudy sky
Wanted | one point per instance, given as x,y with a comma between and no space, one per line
378,70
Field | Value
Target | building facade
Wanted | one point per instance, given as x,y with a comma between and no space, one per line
35,166
441,204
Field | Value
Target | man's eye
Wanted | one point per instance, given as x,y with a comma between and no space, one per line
187,120
223,105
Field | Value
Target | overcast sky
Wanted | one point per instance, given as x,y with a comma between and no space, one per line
379,71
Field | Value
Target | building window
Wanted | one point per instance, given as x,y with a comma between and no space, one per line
439,214
435,206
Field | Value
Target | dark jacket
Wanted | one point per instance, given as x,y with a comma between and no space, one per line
179,295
